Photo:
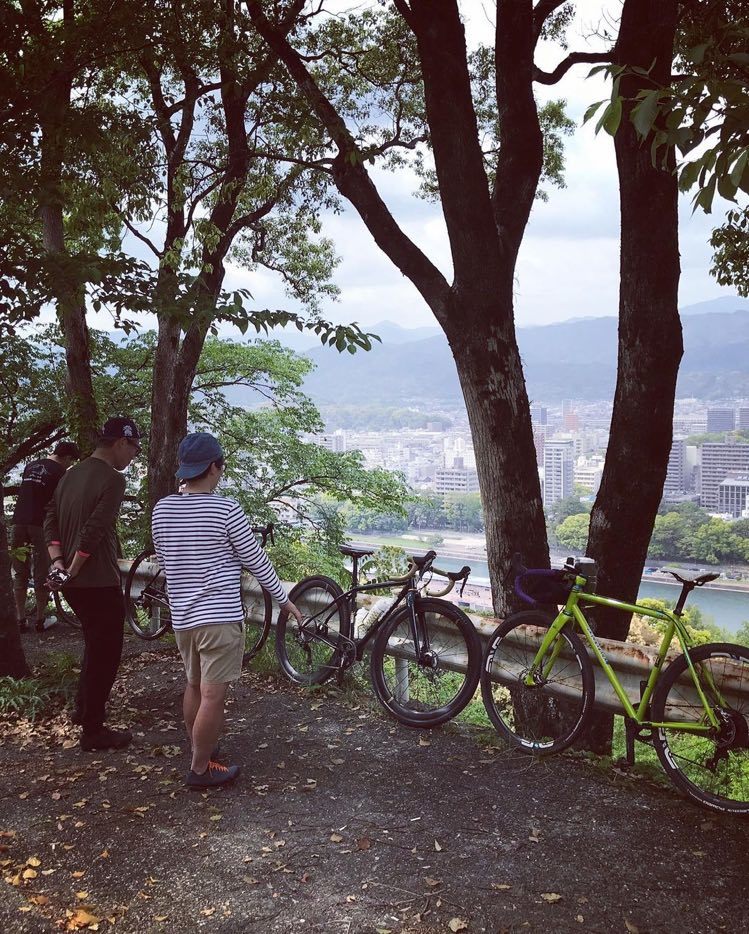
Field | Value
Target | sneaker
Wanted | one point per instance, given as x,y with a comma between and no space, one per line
216,774
44,625
105,738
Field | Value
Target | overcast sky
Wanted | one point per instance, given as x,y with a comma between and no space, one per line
569,261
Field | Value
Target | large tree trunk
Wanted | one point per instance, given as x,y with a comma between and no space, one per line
650,339
12,660
69,291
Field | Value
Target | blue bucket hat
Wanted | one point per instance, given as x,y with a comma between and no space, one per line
197,452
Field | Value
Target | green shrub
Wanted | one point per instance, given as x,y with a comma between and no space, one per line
52,686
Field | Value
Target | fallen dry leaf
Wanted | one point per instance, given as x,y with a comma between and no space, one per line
551,897
432,882
457,924
501,886
336,838
632,928
438,848
363,843
33,861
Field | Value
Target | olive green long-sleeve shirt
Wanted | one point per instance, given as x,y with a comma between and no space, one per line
82,516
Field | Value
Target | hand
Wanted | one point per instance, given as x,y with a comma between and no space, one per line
56,578
290,608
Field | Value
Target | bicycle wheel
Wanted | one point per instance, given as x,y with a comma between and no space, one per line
146,598
548,716
428,684
258,614
712,768
309,653
64,611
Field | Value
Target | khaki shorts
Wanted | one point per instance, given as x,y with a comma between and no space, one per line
212,653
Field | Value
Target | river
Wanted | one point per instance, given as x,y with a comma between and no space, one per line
728,608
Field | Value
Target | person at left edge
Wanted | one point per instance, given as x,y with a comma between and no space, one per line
81,536
38,484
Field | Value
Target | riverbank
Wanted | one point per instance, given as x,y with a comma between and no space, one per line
725,603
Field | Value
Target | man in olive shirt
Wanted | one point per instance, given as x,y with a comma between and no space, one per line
82,540
40,478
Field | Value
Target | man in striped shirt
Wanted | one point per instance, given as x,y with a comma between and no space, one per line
202,542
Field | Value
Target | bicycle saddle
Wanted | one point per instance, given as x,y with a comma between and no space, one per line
694,581
354,551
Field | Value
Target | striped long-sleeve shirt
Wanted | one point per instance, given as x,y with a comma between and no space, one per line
202,542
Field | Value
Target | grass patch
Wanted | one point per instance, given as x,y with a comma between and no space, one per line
52,686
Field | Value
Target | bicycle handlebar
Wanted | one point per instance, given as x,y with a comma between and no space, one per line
265,532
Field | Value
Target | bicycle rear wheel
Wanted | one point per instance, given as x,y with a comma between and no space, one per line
310,652
712,768
427,684
256,629
64,611
548,716
146,598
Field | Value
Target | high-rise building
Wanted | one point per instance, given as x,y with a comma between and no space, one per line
559,470
733,496
743,420
721,420
720,462
676,481
539,415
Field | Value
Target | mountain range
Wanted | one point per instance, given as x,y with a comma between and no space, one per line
573,359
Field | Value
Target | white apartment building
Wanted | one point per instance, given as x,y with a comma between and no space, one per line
559,470
676,475
588,472
455,480
720,462
733,497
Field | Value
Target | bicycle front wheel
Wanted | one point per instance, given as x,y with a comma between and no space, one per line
310,652
64,611
547,716
146,598
713,767
425,679
258,615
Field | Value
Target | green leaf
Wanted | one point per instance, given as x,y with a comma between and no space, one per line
591,111
697,53
726,188
611,117
644,114
739,167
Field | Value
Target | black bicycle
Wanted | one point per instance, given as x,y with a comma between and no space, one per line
426,653
147,601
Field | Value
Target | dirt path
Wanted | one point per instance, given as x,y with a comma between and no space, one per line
344,822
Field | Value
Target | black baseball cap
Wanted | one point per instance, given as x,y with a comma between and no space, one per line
119,427
67,449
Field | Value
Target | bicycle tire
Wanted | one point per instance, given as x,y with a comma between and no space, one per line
711,769
433,690
148,616
256,631
64,611
311,653
545,718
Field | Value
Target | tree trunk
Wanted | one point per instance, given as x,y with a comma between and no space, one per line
69,290
12,660
491,376
650,338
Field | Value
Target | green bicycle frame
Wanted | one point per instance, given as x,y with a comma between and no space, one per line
572,614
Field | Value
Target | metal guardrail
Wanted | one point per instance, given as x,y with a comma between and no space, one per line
632,663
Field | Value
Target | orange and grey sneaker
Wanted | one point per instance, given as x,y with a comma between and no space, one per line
216,774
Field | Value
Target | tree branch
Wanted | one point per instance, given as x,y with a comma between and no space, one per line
352,178
574,58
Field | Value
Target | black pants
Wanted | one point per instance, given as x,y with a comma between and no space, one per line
101,611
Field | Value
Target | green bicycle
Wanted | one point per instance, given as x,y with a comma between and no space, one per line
538,685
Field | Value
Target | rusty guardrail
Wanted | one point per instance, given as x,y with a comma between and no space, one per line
632,663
